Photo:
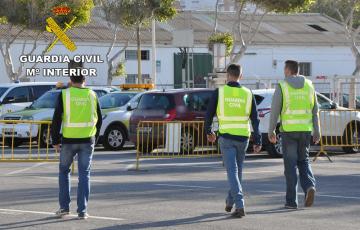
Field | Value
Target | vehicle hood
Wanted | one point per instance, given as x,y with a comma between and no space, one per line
341,108
37,114
107,111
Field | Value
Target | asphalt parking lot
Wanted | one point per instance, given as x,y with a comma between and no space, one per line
179,194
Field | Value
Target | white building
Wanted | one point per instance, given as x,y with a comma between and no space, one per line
313,39
224,5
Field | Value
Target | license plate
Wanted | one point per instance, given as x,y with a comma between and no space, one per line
144,129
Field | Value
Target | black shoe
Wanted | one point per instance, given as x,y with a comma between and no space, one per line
228,208
309,197
238,213
62,212
83,216
290,207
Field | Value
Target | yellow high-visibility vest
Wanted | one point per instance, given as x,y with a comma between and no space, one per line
80,113
298,104
233,110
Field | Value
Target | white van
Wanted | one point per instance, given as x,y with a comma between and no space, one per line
17,96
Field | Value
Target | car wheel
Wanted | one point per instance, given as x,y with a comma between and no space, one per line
187,141
44,141
353,138
275,150
17,142
114,138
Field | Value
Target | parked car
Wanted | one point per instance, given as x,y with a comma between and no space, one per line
114,131
40,110
172,105
264,108
17,96
103,90
344,101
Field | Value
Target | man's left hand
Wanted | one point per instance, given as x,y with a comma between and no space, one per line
57,148
257,148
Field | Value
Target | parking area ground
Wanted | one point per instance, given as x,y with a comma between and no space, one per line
179,194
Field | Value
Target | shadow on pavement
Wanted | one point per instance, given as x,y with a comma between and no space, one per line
205,218
33,223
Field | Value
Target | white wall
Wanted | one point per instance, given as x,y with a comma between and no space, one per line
164,54
258,63
326,61
198,4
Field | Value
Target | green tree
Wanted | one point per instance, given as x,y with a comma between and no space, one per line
110,12
136,14
247,24
17,16
332,8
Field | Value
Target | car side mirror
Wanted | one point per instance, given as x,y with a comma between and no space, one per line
334,105
132,106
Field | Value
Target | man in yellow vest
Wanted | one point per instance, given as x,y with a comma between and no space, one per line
78,115
235,107
295,102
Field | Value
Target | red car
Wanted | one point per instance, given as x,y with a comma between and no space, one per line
182,105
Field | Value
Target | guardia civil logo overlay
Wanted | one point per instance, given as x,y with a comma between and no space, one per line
60,33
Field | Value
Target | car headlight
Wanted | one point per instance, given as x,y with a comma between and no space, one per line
27,118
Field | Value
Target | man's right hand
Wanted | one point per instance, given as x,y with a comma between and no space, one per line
211,137
272,138
57,148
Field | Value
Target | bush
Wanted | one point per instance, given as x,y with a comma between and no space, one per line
223,38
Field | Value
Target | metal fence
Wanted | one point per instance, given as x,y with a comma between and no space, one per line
339,128
179,139
35,135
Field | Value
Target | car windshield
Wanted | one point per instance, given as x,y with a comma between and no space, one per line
156,102
48,101
114,100
3,90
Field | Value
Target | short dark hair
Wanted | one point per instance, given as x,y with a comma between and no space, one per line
77,78
234,70
293,66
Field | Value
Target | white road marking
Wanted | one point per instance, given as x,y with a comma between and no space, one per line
183,186
8,211
25,169
130,166
321,195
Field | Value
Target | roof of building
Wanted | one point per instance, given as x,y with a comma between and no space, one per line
275,29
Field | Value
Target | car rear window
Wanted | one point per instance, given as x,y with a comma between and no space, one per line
258,99
156,101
